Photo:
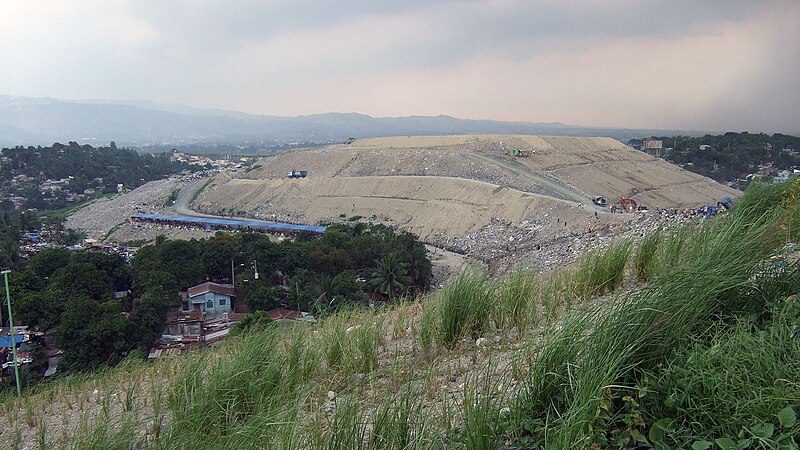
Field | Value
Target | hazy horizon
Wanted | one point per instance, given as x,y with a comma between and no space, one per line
716,66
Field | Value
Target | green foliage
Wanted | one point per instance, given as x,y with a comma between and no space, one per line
170,200
254,321
646,254
719,275
92,333
732,154
516,301
85,167
465,308
261,295
225,402
601,272
71,237
481,414
390,278
737,379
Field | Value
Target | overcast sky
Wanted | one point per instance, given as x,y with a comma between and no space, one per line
694,64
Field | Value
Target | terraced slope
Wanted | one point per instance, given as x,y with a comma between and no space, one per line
425,205
563,167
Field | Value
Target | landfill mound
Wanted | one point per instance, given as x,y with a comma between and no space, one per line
569,168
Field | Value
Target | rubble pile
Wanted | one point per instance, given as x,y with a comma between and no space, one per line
106,213
502,245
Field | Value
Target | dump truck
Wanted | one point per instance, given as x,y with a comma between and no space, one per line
298,174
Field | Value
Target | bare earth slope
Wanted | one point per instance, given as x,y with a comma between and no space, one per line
425,205
563,167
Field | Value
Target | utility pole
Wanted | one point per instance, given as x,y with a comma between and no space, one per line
11,326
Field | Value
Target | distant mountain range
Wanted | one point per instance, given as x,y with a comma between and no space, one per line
43,121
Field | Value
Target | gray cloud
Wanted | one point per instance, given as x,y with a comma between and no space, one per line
654,63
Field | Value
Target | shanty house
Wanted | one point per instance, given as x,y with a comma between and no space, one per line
212,298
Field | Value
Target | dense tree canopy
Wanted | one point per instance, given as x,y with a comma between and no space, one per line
725,157
307,273
72,292
83,166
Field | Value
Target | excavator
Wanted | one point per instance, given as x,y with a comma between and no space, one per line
628,204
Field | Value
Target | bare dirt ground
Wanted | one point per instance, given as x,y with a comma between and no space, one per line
424,205
564,167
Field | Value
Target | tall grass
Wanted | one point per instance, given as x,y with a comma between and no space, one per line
600,272
214,398
730,382
645,258
516,302
466,306
481,412
606,346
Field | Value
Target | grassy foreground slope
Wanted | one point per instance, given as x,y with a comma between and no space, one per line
689,340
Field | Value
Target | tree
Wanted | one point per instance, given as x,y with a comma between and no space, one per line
216,255
148,315
419,267
47,261
78,278
260,295
94,333
71,237
390,278
181,259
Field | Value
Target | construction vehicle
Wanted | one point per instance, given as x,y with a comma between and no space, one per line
600,201
349,141
627,204
298,174
726,203
518,153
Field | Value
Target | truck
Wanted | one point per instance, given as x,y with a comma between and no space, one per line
298,174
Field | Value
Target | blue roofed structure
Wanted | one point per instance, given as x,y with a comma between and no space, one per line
6,341
214,222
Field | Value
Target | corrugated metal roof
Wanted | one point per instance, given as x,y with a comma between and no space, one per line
230,222
225,289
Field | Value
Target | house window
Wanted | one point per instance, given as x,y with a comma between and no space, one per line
222,302
210,304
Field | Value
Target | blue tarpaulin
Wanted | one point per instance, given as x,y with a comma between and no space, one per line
213,221
5,341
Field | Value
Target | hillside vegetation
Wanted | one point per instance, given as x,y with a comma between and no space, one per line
726,157
688,340
47,178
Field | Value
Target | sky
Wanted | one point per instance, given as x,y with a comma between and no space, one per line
721,65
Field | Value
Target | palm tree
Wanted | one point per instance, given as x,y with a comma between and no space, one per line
390,277
419,268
